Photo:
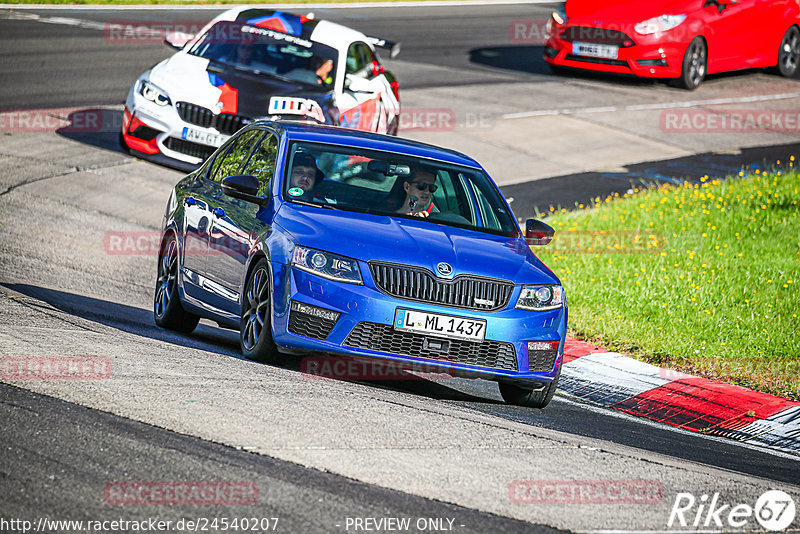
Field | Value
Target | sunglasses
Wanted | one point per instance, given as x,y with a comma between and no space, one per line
424,186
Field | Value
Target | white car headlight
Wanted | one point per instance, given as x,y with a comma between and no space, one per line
559,16
540,298
327,265
659,24
153,93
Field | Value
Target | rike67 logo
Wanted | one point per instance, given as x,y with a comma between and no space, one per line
774,511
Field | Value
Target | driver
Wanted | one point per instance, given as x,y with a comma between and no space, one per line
419,189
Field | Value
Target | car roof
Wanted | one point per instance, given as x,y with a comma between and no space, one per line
321,31
317,133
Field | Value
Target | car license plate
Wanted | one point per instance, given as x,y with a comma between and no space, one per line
204,138
595,50
440,325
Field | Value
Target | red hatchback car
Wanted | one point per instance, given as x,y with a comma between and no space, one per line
679,39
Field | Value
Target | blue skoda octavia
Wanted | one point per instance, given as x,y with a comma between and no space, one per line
320,239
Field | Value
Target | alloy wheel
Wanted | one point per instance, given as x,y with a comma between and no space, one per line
167,279
256,309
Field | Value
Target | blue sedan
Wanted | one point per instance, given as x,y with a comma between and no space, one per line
314,239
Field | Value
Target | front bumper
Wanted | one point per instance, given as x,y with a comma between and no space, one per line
364,328
648,57
159,132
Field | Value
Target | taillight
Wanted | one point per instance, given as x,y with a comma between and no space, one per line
396,89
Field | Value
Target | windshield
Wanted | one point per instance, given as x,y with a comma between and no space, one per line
268,51
355,179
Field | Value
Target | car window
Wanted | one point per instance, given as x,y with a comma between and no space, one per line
359,60
262,163
268,51
487,212
375,182
232,162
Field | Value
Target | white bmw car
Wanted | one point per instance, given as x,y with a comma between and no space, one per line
251,63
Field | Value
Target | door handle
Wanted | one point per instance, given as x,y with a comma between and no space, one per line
219,212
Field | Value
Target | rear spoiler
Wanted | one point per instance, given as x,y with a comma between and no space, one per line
391,46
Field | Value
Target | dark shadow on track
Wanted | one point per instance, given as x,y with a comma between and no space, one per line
139,322
95,127
537,196
101,128
130,319
529,59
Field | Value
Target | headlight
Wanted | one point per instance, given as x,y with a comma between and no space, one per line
560,16
659,24
153,94
540,298
327,265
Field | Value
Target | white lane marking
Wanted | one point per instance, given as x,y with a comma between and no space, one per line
641,107
290,7
64,21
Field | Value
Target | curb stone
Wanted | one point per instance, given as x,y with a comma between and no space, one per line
611,380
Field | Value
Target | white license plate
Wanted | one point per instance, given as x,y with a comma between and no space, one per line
595,50
440,325
204,138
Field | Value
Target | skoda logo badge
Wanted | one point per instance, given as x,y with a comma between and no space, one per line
444,269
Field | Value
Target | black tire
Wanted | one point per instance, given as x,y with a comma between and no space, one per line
693,70
255,330
167,310
520,396
789,53
557,70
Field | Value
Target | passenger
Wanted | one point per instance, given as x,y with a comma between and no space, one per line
305,175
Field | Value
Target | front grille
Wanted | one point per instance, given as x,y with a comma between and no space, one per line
587,34
304,324
225,123
600,60
187,147
384,338
418,284
541,360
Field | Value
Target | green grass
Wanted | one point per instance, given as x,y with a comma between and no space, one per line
703,278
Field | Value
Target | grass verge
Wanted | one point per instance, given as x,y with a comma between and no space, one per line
701,278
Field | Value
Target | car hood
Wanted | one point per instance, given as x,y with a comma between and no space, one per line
604,12
420,243
218,86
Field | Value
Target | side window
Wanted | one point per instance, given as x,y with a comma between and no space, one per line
487,213
262,162
233,160
359,60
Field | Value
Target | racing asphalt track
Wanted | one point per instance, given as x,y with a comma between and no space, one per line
426,442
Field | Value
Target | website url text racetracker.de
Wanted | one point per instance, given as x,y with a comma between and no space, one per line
113,526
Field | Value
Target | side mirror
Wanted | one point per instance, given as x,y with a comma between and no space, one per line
357,84
177,40
244,187
538,233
